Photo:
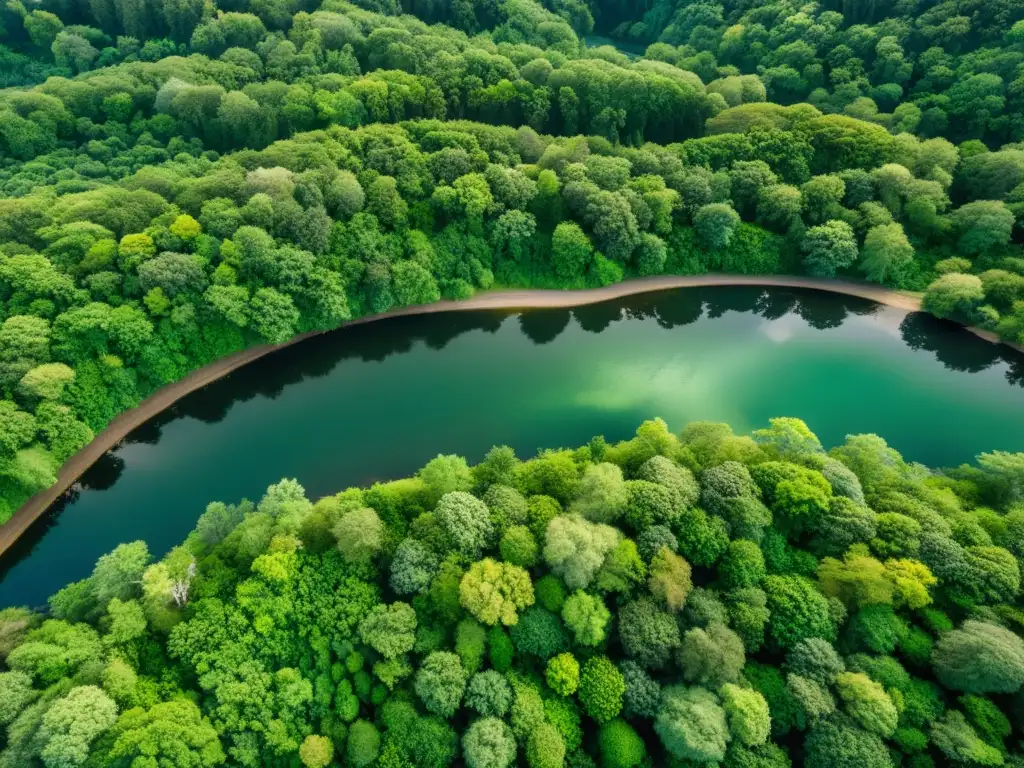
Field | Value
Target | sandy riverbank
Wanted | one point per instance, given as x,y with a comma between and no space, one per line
164,398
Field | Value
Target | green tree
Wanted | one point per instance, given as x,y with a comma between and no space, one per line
602,494
867,703
587,617
692,724
173,731
389,629
982,225
571,250
715,224
496,592
620,745
489,743
575,549
563,674
440,683
954,295
601,689
980,658
747,713
828,248
71,725
885,253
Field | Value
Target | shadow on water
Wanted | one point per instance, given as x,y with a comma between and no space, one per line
955,347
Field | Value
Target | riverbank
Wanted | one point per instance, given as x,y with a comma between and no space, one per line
164,398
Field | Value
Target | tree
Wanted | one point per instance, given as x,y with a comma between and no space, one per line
545,747
711,656
71,725
829,247
172,730
118,573
575,549
642,694
648,504
586,616
886,251
508,507
489,743
747,713
678,480
836,741
440,683
601,689
954,295
815,699
858,580
670,581
980,658
815,659
715,224
982,225
563,674
798,611
648,634
539,633
46,382
273,315
742,565
470,644
446,474
389,629
363,744
959,742
620,745
519,547
778,206
692,724
360,535
650,255
867,703
413,284
602,494
489,694
496,592
465,520
571,250
316,751
18,693
412,567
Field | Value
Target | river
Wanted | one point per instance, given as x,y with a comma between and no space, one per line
378,401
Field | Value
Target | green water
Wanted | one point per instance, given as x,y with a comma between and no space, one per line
378,401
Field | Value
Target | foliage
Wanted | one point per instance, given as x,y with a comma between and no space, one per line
259,641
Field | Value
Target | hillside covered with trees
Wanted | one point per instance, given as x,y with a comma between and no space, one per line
180,180
684,600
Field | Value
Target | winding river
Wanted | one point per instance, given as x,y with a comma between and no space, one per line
377,401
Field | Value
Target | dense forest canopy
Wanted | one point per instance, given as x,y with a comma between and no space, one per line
251,171
182,179
691,599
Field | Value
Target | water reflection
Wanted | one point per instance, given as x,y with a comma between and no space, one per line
923,331
955,347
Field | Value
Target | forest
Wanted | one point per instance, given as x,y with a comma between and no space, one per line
184,179
255,170
678,599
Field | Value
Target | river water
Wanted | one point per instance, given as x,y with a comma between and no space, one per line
378,401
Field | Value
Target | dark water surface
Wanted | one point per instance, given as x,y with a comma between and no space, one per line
378,401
